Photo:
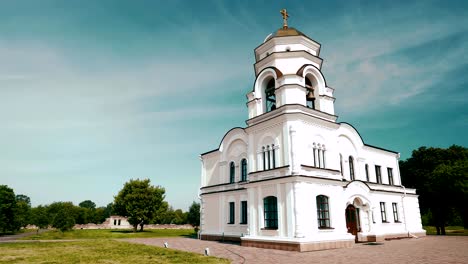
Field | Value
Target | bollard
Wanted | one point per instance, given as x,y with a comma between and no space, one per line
207,251
166,245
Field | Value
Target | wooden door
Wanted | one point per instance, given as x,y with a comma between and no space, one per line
351,220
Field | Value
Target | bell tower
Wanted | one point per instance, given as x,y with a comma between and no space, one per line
288,72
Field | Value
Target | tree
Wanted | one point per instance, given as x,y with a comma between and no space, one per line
7,209
39,217
180,218
62,215
193,217
23,210
87,204
139,201
63,220
441,178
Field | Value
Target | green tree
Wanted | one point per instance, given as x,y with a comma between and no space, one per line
39,217
62,215
87,204
139,201
193,217
23,210
7,209
441,178
63,220
180,218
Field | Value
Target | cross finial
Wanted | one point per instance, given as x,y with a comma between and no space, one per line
285,18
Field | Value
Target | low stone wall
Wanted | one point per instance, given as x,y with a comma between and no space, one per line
298,246
380,238
220,238
107,226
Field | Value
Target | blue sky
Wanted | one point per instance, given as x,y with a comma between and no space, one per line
94,93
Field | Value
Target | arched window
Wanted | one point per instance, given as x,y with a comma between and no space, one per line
270,96
351,168
243,170
270,208
310,98
232,172
323,212
367,172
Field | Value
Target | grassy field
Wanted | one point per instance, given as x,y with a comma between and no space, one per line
96,251
111,233
449,230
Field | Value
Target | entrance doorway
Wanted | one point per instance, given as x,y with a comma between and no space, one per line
352,220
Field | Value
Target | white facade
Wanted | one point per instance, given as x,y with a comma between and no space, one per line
312,166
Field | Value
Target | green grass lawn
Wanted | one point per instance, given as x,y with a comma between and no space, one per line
96,251
111,233
449,230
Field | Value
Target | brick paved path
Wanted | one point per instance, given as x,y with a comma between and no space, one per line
431,249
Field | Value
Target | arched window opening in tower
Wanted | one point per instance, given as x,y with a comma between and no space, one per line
310,98
269,157
270,95
319,155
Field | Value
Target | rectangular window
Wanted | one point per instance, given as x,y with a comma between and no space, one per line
115,221
395,213
323,213
243,212
390,176
231,213
383,213
378,175
119,221
271,212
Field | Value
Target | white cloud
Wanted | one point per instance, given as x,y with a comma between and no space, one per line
367,71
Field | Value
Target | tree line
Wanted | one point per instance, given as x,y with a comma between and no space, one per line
141,202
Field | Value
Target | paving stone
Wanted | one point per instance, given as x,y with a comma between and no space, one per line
430,249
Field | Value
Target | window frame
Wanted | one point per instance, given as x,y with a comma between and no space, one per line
232,172
232,211
396,217
378,174
383,212
351,168
323,212
390,176
243,213
270,212
243,170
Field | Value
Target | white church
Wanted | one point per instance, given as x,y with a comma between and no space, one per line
294,178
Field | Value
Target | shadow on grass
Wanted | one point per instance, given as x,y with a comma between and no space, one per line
126,231
193,235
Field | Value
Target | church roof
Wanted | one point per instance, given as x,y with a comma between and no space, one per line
285,32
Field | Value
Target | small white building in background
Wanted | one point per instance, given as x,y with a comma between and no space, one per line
294,178
117,222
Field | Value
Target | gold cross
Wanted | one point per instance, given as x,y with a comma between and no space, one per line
285,18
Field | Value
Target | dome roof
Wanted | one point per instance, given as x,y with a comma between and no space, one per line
285,32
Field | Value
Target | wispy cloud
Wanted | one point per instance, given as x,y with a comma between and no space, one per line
374,69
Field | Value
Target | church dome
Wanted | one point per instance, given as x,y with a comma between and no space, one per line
284,32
